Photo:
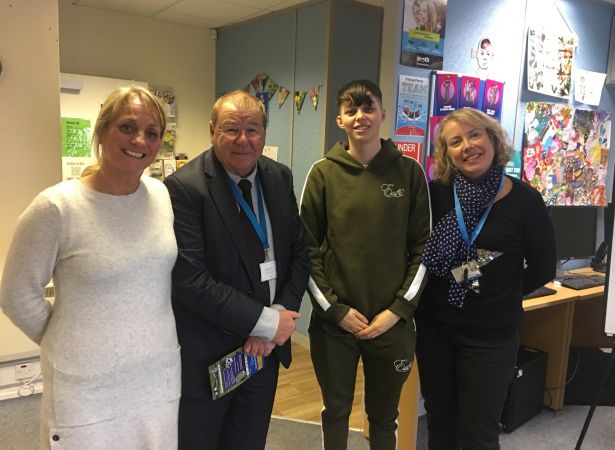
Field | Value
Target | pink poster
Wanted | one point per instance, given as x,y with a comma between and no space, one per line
433,132
492,98
447,94
470,88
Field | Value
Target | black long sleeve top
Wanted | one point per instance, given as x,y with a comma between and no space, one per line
519,227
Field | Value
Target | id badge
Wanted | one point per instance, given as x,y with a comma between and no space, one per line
466,272
268,271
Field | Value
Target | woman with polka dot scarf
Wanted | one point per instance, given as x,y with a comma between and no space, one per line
492,243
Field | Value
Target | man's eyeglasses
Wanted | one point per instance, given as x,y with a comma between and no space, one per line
234,131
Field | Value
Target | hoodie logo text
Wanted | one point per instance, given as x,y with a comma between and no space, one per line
390,191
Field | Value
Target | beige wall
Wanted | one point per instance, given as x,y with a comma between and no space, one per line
29,125
116,45
40,38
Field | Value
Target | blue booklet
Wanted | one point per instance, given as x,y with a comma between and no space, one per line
232,370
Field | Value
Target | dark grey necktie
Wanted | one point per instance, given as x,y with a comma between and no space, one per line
256,253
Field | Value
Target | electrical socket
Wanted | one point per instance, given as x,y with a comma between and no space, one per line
24,371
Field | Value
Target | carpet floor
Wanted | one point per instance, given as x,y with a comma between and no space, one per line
286,434
19,424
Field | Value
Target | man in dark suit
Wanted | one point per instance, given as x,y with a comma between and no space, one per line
240,274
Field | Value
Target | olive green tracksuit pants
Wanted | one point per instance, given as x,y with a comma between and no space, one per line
335,358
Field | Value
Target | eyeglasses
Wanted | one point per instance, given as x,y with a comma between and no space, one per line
234,131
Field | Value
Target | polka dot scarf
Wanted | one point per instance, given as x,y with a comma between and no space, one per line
445,248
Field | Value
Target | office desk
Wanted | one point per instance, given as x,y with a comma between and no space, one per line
547,325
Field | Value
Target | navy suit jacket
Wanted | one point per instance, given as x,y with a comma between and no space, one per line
213,294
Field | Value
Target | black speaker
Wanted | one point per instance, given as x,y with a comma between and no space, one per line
586,369
526,391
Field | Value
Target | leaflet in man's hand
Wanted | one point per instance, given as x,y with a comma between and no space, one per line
232,370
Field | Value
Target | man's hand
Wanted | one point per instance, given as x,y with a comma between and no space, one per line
379,325
286,326
255,346
353,321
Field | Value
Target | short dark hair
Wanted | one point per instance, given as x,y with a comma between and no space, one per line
359,92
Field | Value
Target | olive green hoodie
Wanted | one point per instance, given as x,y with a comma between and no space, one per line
365,228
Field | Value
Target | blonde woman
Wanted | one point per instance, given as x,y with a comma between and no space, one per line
109,351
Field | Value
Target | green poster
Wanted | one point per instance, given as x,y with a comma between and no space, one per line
75,137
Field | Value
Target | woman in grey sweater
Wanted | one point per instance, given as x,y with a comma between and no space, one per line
109,352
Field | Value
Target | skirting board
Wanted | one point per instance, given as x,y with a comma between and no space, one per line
16,391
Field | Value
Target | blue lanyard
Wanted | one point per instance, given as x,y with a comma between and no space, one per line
479,226
259,226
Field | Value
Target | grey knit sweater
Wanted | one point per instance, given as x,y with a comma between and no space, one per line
109,350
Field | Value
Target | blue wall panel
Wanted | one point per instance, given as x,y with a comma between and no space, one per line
355,54
309,72
264,45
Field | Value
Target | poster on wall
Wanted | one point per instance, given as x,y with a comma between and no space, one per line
72,167
168,138
565,153
434,122
422,41
470,88
451,91
492,99
412,106
410,148
75,143
166,95
76,135
513,167
549,62
483,54
588,86
446,97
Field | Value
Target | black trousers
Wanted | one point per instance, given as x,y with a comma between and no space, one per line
237,421
464,382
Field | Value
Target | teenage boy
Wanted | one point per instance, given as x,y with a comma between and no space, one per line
366,210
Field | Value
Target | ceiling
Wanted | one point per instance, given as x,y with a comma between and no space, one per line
203,13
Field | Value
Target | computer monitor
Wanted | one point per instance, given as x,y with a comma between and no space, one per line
575,231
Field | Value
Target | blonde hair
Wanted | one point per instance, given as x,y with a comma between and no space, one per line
113,106
432,14
470,116
242,100
89,170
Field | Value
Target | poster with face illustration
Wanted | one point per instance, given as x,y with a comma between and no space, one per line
492,98
483,53
565,153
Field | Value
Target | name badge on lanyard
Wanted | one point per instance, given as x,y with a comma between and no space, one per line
470,270
268,270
